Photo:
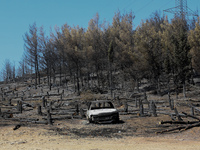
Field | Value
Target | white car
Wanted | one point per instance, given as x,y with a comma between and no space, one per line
102,112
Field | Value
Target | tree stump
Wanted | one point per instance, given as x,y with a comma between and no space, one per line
63,92
77,109
44,102
118,101
50,106
48,94
153,108
82,113
177,115
141,108
49,119
125,107
19,106
9,102
136,102
39,110
0,113
145,96
171,104
192,111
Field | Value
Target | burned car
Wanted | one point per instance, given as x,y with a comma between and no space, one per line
102,112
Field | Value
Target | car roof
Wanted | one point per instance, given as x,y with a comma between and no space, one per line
100,101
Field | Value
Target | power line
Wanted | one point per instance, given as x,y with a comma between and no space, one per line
144,6
129,4
165,4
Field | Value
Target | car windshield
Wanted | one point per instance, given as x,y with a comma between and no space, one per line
101,105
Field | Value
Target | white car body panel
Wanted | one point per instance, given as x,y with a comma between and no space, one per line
100,111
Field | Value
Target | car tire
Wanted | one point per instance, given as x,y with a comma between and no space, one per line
89,119
92,118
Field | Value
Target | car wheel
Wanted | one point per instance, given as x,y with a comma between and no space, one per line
117,120
92,118
89,119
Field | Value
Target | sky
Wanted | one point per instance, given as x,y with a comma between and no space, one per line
17,15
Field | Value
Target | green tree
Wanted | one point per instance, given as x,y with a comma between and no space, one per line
176,49
96,48
194,39
181,50
148,44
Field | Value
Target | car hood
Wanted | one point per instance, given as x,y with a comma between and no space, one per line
101,111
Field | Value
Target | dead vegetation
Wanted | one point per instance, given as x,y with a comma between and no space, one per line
62,112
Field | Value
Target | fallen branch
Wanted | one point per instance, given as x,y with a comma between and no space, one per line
178,122
181,128
17,127
191,116
169,130
191,126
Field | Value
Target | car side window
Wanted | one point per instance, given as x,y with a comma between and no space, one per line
93,106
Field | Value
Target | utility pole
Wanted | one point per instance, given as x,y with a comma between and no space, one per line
181,9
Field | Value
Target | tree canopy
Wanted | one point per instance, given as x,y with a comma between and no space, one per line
109,56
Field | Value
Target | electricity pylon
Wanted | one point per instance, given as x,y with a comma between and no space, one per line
181,9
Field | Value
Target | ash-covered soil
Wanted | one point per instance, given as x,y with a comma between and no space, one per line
68,124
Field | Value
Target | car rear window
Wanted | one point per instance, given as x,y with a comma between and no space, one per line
101,105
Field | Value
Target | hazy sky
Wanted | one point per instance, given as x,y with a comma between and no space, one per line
17,15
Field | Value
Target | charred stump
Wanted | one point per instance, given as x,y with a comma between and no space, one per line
177,115
192,111
44,101
19,106
118,101
171,104
125,107
77,109
9,101
63,92
0,112
82,113
39,110
50,106
49,119
153,108
136,102
141,113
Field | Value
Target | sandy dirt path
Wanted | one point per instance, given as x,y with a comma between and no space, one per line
29,138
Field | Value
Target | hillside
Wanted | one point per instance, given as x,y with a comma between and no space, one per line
24,111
